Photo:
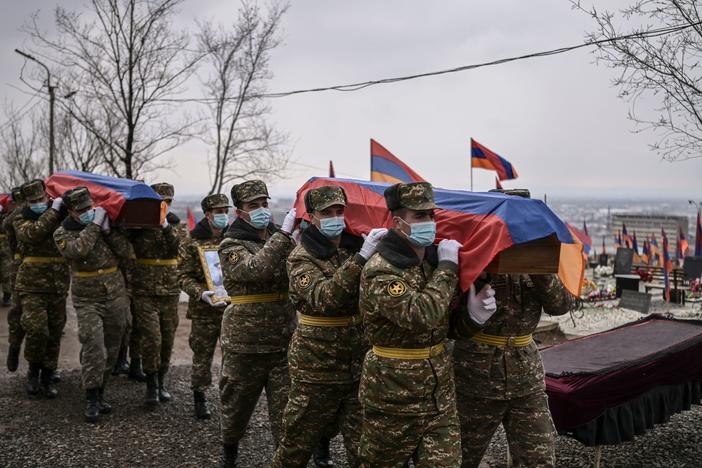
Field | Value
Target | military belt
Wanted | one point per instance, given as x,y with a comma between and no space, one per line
18,256
315,321
157,261
258,298
93,274
503,341
43,260
409,353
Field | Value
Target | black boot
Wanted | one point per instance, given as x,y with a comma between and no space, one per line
33,379
56,377
121,366
103,406
151,398
201,409
13,354
321,456
163,394
47,384
229,453
135,372
6,299
92,411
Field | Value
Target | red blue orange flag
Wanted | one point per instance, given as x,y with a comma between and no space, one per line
645,252
385,167
635,244
483,158
626,238
667,267
191,219
582,236
682,245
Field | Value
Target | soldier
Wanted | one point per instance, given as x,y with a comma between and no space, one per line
42,285
500,377
407,387
327,349
92,248
257,326
155,291
14,325
206,315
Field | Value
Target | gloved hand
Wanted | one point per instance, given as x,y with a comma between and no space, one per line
370,243
296,235
207,296
289,221
165,224
100,215
105,226
481,306
448,250
57,203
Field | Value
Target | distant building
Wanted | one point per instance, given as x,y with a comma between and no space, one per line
646,224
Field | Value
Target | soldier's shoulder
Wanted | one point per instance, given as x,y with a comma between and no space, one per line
299,253
378,265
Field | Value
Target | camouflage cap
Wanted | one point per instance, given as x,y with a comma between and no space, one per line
249,190
77,198
17,196
320,198
520,192
33,190
164,189
218,200
415,196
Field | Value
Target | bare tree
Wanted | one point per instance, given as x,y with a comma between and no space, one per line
242,142
663,68
76,147
125,64
21,153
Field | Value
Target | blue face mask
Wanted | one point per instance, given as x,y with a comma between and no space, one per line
220,220
87,217
39,208
260,218
422,234
332,227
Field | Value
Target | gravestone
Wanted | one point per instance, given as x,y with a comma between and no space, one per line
692,267
623,261
634,300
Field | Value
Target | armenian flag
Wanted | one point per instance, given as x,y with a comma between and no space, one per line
654,250
682,246
667,267
483,158
584,238
626,237
698,237
191,219
645,252
385,167
635,244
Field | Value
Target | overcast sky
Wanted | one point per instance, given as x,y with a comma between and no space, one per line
557,119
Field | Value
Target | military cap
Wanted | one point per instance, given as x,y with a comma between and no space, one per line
218,200
324,197
164,189
520,192
17,196
415,196
249,190
33,190
77,198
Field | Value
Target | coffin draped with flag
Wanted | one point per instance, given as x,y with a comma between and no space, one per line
487,224
128,203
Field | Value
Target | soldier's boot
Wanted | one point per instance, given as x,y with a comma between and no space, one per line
201,409
163,394
92,410
135,372
103,406
121,366
56,377
6,299
229,454
13,354
47,384
321,456
32,385
151,398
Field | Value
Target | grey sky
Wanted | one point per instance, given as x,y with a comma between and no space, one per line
557,119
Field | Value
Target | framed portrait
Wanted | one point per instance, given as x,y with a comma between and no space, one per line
209,257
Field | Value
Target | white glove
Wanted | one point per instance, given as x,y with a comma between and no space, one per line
296,235
165,224
207,296
105,226
57,203
289,221
481,306
100,215
448,250
370,244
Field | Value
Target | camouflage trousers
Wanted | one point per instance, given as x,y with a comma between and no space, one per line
101,325
5,267
204,333
43,318
527,421
311,413
390,440
157,321
15,332
130,339
244,376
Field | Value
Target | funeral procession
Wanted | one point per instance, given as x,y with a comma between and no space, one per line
371,234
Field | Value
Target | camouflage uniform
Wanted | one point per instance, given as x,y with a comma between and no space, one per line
409,404
255,335
505,384
327,349
5,258
97,289
15,331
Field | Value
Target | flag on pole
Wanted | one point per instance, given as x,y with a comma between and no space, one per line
626,237
191,219
698,236
585,228
385,167
498,185
618,238
654,250
682,246
635,244
483,158
332,174
667,267
645,252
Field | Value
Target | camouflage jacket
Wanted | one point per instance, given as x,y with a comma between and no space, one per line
507,372
324,282
4,242
88,249
14,246
40,270
252,266
191,274
406,302
148,278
